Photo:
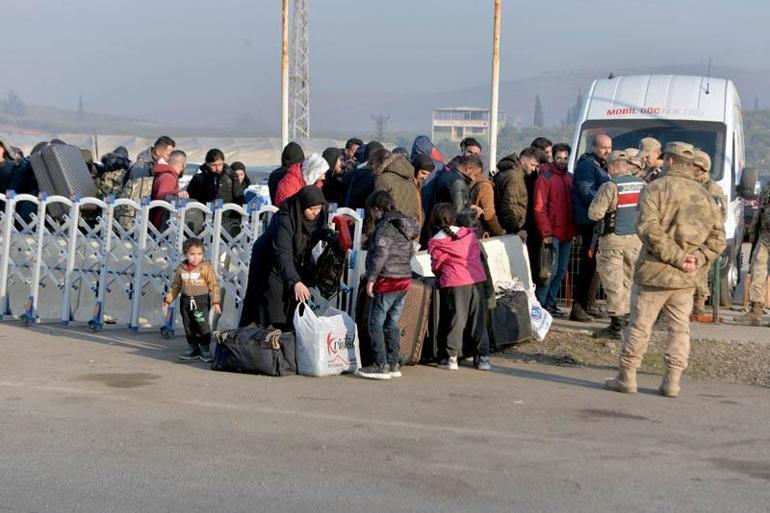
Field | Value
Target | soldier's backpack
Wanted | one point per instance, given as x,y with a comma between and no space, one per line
111,183
136,190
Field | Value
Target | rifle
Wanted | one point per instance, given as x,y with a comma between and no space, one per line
598,231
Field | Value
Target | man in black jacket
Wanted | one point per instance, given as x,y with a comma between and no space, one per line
215,181
361,183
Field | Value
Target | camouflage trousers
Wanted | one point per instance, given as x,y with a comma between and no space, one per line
758,272
647,303
702,290
615,265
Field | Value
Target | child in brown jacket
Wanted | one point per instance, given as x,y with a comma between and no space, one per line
197,282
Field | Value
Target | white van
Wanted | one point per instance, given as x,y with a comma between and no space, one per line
702,111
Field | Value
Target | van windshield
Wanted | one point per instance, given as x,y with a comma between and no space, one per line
626,133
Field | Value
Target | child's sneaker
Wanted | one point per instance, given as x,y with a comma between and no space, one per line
374,371
206,354
192,353
395,370
482,363
449,363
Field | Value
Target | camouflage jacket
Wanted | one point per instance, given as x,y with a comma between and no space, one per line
760,223
606,200
677,217
716,193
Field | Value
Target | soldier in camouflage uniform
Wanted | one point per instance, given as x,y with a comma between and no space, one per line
616,204
681,233
759,236
702,164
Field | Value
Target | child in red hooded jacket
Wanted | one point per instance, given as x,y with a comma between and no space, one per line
455,256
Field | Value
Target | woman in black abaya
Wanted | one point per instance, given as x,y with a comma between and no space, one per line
281,268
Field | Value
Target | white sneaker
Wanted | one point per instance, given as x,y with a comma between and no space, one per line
449,364
482,363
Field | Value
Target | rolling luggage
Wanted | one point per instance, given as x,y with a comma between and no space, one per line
413,323
256,350
61,170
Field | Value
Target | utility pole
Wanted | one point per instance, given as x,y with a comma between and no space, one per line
285,74
495,87
381,126
300,72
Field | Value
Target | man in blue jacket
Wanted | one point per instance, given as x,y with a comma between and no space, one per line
590,173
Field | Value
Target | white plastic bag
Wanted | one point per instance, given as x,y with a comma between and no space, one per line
539,317
327,345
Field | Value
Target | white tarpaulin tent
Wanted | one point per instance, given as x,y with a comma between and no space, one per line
252,151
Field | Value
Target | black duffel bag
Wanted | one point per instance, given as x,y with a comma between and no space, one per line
256,350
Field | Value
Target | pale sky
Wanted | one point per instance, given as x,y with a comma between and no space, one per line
197,62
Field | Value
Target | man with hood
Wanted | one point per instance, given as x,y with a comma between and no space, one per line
361,183
424,146
311,172
590,174
335,183
146,160
396,176
292,154
165,186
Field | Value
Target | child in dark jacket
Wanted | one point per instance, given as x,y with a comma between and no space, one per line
197,282
455,256
388,277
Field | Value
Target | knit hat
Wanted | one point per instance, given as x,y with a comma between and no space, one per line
313,168
423,163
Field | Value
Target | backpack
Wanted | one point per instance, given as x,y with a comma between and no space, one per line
111,183
136,190
329,268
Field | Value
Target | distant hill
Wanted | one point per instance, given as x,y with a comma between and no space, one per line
557,90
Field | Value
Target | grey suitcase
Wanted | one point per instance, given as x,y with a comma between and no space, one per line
61,170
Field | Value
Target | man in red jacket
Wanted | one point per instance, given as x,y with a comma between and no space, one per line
165,185
553,216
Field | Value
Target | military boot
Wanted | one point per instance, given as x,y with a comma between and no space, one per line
670,386
699,307
753,316
579,314
624,382
613,331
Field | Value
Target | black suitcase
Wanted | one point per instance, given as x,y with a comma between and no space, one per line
61,170
256,350
510,320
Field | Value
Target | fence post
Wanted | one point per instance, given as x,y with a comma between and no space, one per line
98,320
139,264
31,314
66,309
216,206
5,304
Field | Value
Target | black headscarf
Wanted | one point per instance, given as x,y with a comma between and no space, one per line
307,197
331,156
292,154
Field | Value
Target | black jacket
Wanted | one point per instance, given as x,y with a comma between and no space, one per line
390,247
207,186
360,187
453,187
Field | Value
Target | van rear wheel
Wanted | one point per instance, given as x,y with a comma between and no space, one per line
727,286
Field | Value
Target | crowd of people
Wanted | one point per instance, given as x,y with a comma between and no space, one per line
619,205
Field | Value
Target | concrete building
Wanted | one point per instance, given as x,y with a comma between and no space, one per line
456,123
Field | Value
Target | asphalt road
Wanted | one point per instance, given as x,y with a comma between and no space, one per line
111,423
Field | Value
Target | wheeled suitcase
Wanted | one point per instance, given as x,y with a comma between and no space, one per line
510,320
413,322
61,170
